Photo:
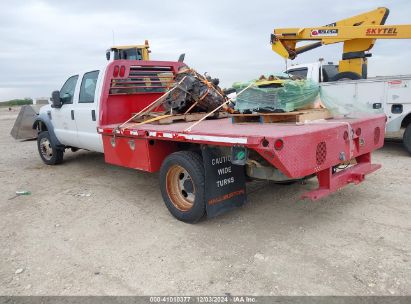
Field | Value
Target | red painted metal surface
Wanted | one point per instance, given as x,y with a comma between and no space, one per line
329,182
118,107
311,148
136,153
297,158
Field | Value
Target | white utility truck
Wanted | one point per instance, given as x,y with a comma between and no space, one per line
382,94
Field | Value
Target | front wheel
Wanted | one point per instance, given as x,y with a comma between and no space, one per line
182,185
406,139
48,151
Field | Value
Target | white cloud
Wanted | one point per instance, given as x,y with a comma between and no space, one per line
43,42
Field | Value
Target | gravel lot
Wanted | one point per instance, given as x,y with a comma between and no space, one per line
90,228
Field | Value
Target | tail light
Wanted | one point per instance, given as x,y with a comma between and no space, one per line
345,135
115,71
278,144
122,71
377,135
358,131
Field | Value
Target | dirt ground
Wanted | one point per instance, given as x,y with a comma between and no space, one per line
90,228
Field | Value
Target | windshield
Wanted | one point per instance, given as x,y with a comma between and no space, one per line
300,73
129,54
329,71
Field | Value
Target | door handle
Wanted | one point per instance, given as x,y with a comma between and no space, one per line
72,114
93,115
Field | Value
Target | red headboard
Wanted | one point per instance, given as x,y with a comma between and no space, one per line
130,85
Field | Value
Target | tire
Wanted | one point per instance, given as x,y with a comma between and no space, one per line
48,151
406,139
182,184
345,76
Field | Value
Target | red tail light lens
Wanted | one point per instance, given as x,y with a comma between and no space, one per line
377,134
358,131
345,135
278,144
115,71
122,71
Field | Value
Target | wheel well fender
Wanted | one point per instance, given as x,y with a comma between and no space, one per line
42,123
406,121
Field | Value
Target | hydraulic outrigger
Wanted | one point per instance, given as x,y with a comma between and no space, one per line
358,34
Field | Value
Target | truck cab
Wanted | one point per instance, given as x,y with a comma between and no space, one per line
71,120
315,71
92,97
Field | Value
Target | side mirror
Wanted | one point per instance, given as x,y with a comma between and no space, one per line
108,55
56,100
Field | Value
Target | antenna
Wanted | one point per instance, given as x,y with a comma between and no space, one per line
113,37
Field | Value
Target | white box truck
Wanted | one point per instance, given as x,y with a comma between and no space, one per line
382,94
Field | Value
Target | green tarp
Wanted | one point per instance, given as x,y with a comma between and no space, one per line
292,95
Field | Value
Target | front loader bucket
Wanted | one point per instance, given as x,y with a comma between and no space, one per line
23,126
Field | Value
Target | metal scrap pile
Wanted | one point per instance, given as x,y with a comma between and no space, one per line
194,93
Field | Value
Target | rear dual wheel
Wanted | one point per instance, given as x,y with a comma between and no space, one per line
182,183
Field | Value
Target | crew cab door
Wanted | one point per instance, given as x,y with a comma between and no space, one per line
63,119
87,112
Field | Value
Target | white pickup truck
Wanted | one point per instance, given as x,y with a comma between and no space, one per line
382,94
95,110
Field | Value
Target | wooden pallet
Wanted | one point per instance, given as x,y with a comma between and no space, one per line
296,116
165,119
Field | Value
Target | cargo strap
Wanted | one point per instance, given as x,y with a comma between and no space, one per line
148,108
219,107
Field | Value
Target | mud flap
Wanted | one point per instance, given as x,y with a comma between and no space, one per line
224,182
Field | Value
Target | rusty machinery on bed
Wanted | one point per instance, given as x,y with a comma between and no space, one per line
194,93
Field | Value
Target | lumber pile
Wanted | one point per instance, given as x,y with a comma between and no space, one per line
295,116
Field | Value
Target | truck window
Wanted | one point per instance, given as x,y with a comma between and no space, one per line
88,87
329,71
300,73
129,54
142,79
67,91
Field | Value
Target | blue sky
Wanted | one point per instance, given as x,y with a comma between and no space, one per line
44,42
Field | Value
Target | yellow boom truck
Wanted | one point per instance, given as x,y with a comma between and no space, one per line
353,91
358,34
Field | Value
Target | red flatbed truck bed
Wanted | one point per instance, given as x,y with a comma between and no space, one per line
296,150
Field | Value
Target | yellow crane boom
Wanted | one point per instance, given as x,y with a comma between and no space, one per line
358,34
